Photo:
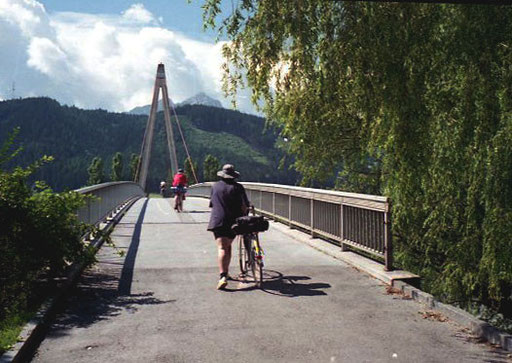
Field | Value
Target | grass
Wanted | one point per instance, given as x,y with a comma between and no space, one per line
155,195
10,329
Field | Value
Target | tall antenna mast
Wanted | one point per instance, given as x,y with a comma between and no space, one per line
143,167
13,90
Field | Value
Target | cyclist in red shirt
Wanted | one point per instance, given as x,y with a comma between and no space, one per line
179,182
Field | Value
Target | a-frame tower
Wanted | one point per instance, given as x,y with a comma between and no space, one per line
145,155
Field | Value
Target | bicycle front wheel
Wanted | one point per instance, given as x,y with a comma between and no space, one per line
257,262
258,277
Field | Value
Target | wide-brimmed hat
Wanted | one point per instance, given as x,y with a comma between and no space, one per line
228,172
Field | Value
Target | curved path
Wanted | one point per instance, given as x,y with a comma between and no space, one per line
158,303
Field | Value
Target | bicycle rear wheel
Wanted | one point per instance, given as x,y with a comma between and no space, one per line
243,255
180,198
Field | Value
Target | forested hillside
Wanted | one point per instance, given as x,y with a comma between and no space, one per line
74,137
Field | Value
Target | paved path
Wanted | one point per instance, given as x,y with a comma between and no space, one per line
159,304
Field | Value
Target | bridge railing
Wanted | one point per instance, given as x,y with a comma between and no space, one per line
360,221
107,197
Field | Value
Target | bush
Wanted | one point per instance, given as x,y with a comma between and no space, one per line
39,233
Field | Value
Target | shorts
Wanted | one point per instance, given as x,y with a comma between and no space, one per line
223,232
179,189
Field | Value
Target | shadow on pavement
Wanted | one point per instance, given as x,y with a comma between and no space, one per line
288,286
497,355
169,223
97,298
103,295
125,283
276,283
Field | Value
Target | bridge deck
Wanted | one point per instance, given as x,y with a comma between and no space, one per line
159,304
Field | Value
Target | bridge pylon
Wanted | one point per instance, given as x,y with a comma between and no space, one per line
145,155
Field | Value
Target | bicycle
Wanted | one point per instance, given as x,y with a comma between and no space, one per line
179,197
250,255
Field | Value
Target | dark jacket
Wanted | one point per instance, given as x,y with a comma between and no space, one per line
226,200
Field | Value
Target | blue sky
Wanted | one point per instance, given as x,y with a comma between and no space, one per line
103,54
177,15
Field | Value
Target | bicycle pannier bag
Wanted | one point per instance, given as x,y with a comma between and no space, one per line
249,224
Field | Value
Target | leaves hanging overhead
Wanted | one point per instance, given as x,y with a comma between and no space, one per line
412,100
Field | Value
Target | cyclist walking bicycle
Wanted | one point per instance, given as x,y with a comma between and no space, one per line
228,202
179,184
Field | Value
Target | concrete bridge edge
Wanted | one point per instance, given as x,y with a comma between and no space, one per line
401,281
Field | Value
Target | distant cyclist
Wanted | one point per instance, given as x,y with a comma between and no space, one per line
163,185
180,183
228,202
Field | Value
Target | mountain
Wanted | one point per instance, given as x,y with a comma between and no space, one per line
75,136
144,110
199,99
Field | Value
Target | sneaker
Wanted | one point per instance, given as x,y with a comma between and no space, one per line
222,283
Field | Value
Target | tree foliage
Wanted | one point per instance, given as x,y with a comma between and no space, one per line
117,167
95,171
411,99
39,233
134,163
188,164
211,166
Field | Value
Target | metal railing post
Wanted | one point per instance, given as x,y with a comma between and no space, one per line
342,235
88,220
388,246
88,211
312,217
290,211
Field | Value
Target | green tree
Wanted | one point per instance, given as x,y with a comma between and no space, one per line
188,170
134,163
39,234
211,166
350,82
117,167
95,171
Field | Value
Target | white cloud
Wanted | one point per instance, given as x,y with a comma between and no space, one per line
28,15
101,61
139,14
46,56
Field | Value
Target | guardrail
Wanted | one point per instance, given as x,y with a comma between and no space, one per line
107,198
360,221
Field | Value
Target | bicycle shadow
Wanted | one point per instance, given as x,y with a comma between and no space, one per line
275,283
